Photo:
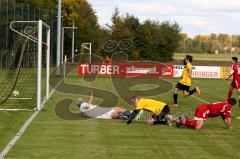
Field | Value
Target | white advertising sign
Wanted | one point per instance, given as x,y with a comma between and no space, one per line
199,71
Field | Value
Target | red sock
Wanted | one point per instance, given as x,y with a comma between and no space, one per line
190,123
229,94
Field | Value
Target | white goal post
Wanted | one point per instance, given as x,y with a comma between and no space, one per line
87,46
39,40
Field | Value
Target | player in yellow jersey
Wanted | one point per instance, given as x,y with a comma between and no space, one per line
185,82
160,110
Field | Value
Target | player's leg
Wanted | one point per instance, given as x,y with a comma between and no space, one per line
230,91
195,90
198,121
163,118
187,92
151,121
175,94
199,124
166,115
190,123
120,113
170,119
157,119
237,84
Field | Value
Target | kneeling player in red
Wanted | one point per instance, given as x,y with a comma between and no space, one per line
205,111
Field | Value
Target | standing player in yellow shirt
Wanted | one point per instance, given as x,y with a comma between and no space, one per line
160,110
185,82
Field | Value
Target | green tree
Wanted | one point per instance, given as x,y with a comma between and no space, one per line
119,29
88,30
49,4
166,39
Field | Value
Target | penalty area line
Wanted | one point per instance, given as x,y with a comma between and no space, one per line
24,127
200,99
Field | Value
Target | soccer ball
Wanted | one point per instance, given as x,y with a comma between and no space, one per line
15,93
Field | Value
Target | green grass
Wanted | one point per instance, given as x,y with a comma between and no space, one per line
26,85
51,137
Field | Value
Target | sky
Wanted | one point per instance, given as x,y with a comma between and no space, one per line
194,16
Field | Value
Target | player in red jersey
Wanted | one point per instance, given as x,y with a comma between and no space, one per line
205,111
235,73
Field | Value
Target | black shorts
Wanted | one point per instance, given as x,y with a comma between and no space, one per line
183,87
162,117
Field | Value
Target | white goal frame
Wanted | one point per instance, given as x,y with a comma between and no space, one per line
40,24
87,46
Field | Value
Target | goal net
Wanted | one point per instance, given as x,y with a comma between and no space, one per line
24,79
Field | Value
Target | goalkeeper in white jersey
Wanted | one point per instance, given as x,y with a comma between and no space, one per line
93,111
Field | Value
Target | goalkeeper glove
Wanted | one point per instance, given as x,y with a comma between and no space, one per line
132,116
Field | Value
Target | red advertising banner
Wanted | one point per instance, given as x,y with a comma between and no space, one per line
143,69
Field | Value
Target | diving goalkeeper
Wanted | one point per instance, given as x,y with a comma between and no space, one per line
93,111
160,110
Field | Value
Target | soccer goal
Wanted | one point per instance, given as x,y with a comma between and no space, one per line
88,47
24,81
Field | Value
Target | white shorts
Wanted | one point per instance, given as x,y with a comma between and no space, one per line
107,115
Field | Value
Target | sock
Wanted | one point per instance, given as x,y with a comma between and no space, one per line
121,117
175,97
124,116
160,122
229,94
127,113
190,123
192,91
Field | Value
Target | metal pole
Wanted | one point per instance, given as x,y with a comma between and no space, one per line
73,41
59,26
64,66
48,63
39,69
90,52
62,52
231,46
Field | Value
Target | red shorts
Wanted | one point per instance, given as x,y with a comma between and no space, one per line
201,112
236,84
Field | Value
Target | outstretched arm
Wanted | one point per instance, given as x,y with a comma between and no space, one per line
133,115
230,75
90,98
227,121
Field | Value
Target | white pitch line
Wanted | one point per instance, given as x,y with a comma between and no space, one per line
24,127
18,135
16,110
200,99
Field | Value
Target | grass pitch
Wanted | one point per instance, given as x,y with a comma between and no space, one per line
50,136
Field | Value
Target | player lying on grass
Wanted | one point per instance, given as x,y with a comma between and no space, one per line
160,110
185,82
235,73
205,111
93,111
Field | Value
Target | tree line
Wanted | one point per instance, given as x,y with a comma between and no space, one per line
152,40
213,43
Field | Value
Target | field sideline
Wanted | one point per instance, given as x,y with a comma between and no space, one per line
51,137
